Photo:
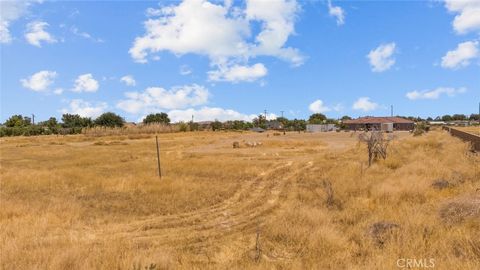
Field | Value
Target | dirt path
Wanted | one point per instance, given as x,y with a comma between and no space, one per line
225,228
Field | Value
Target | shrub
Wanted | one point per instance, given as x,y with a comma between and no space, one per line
109,119
421,128
216,125
157,118
75,120
183,127
18,121
377,145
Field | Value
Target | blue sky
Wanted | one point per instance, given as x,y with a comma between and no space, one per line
231,60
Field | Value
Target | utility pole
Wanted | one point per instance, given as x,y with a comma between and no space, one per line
391,110
33,119
192,118
265,111
281,113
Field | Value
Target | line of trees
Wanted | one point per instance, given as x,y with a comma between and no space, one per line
18,125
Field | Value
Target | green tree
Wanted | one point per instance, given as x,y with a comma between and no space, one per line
284,121
346,117
317,118
75,121
260,121
459,117
18,121
216,125
474,116
51,124
161,118
331,121
298,124
109,119
447,118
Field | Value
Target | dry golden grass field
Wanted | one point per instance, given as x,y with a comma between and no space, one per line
298,201
472,129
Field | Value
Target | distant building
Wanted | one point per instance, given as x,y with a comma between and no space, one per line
436,123
321,128
376,123
460,123
274,124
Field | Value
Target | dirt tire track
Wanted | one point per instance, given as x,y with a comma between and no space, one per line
222,228
250,196
232,221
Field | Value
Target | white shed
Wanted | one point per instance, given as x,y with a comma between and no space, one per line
321,128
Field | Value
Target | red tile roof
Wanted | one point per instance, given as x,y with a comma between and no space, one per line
378,120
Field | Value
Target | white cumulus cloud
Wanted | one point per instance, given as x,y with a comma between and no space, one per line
461,56
36,34
224,33
128,80
11,11
85,83
237,73
208,114
381,58
5,36
318,107
468,15
85,108
336,12
435,93
158,99
39,81
364,104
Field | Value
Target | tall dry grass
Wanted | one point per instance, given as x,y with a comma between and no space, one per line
130,130
97,203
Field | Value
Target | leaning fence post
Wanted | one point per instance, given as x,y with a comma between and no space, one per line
158,158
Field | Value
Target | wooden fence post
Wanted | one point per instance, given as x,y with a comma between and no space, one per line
158,158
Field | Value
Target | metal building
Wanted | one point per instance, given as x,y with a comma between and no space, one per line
321,128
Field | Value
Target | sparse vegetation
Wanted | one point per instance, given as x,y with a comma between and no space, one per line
299,201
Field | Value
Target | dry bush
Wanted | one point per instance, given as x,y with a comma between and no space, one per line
236,144
330,201
441,184
461,209
377,143
381,231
